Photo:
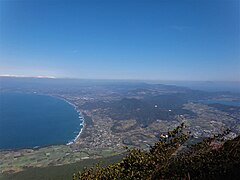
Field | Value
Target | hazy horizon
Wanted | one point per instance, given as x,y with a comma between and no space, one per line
120,79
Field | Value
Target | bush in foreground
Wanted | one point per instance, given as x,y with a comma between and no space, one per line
210,159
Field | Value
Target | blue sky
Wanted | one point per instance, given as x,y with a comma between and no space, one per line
103,39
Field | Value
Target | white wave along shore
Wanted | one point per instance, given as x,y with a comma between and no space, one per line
81,118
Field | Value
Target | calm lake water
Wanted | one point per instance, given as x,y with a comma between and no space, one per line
30,120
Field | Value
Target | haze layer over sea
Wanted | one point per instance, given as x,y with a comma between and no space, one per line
30,120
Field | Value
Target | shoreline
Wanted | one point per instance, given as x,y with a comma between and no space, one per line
80,117
71,141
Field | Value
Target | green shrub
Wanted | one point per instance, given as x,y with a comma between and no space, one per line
164,160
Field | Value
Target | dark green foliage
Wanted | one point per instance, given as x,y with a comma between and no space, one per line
145,110
149,109
209,159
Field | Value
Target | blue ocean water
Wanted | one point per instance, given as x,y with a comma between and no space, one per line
30,120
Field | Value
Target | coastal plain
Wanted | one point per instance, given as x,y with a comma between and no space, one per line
120,114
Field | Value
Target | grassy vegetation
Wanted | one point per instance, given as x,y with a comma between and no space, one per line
63,172
169,158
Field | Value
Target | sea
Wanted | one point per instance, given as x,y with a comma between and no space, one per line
33,120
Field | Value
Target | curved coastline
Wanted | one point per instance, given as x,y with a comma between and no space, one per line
67,142
80,117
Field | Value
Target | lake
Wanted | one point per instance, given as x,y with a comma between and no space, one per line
31,120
